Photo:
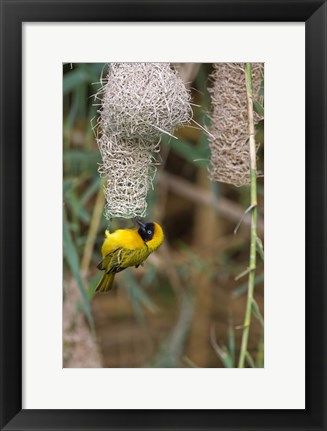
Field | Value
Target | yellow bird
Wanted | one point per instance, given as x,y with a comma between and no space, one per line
127,247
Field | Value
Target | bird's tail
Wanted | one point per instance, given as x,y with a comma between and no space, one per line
106,282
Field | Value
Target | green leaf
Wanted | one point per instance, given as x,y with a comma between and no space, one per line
259,109
256,312
83,160
71,256
93,282
262,88
69,184
170,353
93,71
71,116
202,85
74,204
150,275
260,248
91,190
135,290
191,153
243,288
260,361
138,310
225,357
249,359
189,362
228,359
74,79
231,341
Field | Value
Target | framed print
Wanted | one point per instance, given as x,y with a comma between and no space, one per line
163,240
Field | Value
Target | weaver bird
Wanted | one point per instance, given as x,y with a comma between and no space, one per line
127,247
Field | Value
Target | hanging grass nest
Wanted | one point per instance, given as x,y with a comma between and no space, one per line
143,100
230,158
139,102
130,168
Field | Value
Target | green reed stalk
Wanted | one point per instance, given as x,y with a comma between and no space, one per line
253,174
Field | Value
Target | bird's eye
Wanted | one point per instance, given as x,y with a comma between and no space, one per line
149,232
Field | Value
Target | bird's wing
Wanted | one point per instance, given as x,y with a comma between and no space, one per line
113,261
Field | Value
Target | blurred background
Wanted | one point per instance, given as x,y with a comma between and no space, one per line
183,308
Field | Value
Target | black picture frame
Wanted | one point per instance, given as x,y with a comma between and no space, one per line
13,14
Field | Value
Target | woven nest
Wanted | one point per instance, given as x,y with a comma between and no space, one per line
130,168
143,100
139,102
230,158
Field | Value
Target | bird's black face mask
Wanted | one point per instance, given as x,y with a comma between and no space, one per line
146,230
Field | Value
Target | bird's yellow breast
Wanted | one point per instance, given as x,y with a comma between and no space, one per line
122,238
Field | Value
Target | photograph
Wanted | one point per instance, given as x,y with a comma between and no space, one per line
185,231
163,215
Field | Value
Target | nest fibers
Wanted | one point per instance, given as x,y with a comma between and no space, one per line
129,167
230,153
140,101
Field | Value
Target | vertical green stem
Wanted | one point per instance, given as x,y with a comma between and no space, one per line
253,174
93,228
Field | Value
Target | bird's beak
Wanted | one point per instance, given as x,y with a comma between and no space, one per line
140,224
